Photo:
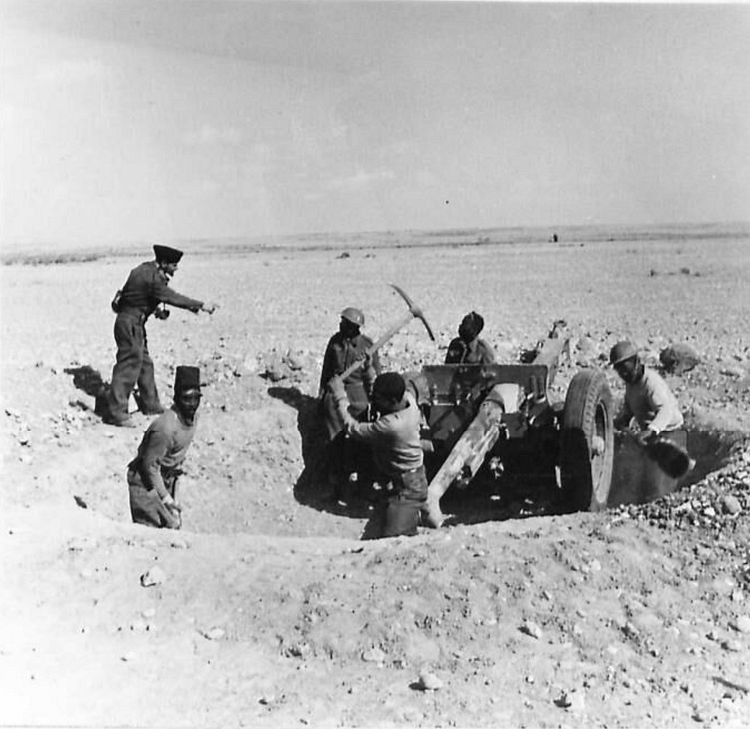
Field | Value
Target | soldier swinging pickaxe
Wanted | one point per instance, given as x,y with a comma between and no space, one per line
414,313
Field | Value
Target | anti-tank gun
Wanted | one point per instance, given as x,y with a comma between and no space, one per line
499,419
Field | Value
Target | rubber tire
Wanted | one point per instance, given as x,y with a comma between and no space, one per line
585,477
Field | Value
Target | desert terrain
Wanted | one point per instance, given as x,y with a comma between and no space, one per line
268,609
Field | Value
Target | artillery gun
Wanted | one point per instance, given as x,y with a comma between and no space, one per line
499,419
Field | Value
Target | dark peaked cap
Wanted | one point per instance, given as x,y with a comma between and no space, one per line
167,254
187,378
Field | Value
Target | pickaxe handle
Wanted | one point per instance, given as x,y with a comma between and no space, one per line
377,345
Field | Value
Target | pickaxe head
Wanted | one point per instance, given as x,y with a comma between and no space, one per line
414,309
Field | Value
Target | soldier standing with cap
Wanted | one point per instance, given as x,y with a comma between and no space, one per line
467,347
145,292
344,348
153,473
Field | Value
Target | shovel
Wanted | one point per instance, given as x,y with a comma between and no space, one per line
673,459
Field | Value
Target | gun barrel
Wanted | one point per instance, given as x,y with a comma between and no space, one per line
470,450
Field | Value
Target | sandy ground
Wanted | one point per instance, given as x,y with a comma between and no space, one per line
269,610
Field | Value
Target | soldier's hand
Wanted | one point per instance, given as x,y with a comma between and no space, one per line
171,504
209,307
645,436
336,387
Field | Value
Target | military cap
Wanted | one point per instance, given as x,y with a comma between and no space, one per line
355,316
389,385
187,378
475,321
167,254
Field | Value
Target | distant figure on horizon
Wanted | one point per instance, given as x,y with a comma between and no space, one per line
467,347
145,292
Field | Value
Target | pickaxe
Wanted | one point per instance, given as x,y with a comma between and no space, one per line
414,313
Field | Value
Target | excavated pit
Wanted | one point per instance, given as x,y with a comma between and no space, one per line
310,511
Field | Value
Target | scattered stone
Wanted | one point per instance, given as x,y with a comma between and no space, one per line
154,576
732,371
374,655
429,682
731,505
731,645
275,369
679,358
741,624
294,360
213,633
148,613
531,628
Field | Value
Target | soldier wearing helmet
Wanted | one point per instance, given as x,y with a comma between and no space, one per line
344,348
467,347
648,400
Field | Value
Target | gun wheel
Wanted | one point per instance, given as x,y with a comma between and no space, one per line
587,443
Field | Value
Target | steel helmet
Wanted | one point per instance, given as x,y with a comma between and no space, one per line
355,316
622,351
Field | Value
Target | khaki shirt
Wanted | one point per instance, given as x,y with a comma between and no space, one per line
163,448
394,438
651,403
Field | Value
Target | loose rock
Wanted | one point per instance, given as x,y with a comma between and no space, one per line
429,682
154,576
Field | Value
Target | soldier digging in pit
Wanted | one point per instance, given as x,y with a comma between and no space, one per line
153,473
648,399
145,292
467,347
397,451
347,346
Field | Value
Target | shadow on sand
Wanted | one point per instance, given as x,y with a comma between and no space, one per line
311,488
87,379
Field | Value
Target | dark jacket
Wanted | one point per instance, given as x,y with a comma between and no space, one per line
147,287
476,352
342,352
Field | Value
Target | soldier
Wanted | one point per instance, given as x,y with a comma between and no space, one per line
467,347
344,348
145,292
397,451
153,473
648,398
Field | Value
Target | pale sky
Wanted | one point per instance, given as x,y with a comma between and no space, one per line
175,119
